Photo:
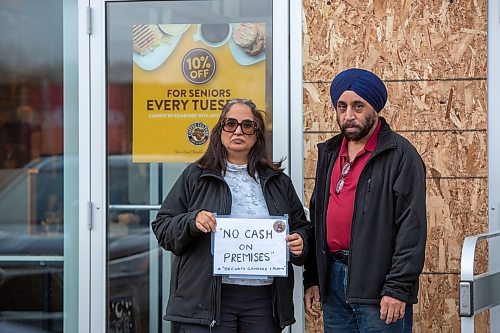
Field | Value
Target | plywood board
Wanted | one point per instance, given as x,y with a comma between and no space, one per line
400,39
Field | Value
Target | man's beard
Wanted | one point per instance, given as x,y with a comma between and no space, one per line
362,130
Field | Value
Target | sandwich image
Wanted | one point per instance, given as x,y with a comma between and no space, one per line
145,38
251,37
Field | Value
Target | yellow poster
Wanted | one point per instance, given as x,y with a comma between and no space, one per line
183,75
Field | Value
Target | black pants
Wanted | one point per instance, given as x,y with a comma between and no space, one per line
244,309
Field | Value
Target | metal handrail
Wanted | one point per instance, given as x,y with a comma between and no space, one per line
476,292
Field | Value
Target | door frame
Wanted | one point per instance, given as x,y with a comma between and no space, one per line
84,214
93,153
493,83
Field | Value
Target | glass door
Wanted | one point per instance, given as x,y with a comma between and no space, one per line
39,166
166,68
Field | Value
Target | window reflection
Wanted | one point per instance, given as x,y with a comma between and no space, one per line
31,116
31,165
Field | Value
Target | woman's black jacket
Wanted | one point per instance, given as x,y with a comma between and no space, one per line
388,231
194,291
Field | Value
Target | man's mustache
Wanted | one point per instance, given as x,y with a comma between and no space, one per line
350,124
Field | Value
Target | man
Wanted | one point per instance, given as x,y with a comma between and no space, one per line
368,209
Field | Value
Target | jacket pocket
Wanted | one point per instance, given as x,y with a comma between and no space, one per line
368,194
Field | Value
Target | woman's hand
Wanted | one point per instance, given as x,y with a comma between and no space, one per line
205,221
295,243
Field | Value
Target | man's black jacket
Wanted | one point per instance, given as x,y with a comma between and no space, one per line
388,231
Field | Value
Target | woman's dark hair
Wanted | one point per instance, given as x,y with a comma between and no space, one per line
216,155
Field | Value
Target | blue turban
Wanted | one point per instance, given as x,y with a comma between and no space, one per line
364,83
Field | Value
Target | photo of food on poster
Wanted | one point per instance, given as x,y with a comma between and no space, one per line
183,75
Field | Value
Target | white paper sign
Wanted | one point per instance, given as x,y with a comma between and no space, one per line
250,246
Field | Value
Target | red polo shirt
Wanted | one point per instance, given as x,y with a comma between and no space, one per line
341,206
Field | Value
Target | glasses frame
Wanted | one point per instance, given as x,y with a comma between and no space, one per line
254,128
345,170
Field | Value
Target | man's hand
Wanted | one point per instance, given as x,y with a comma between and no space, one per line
391,309
311,296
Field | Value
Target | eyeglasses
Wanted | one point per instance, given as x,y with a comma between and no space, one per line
248,127
340,183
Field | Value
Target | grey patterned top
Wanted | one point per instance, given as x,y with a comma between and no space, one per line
247,200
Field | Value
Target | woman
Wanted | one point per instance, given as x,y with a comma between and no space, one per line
236,177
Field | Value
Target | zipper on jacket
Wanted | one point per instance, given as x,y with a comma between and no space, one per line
326,197
350,255
228,203
214,304
229,200
369,184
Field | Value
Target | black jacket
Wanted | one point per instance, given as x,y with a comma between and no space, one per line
194,291
388,231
